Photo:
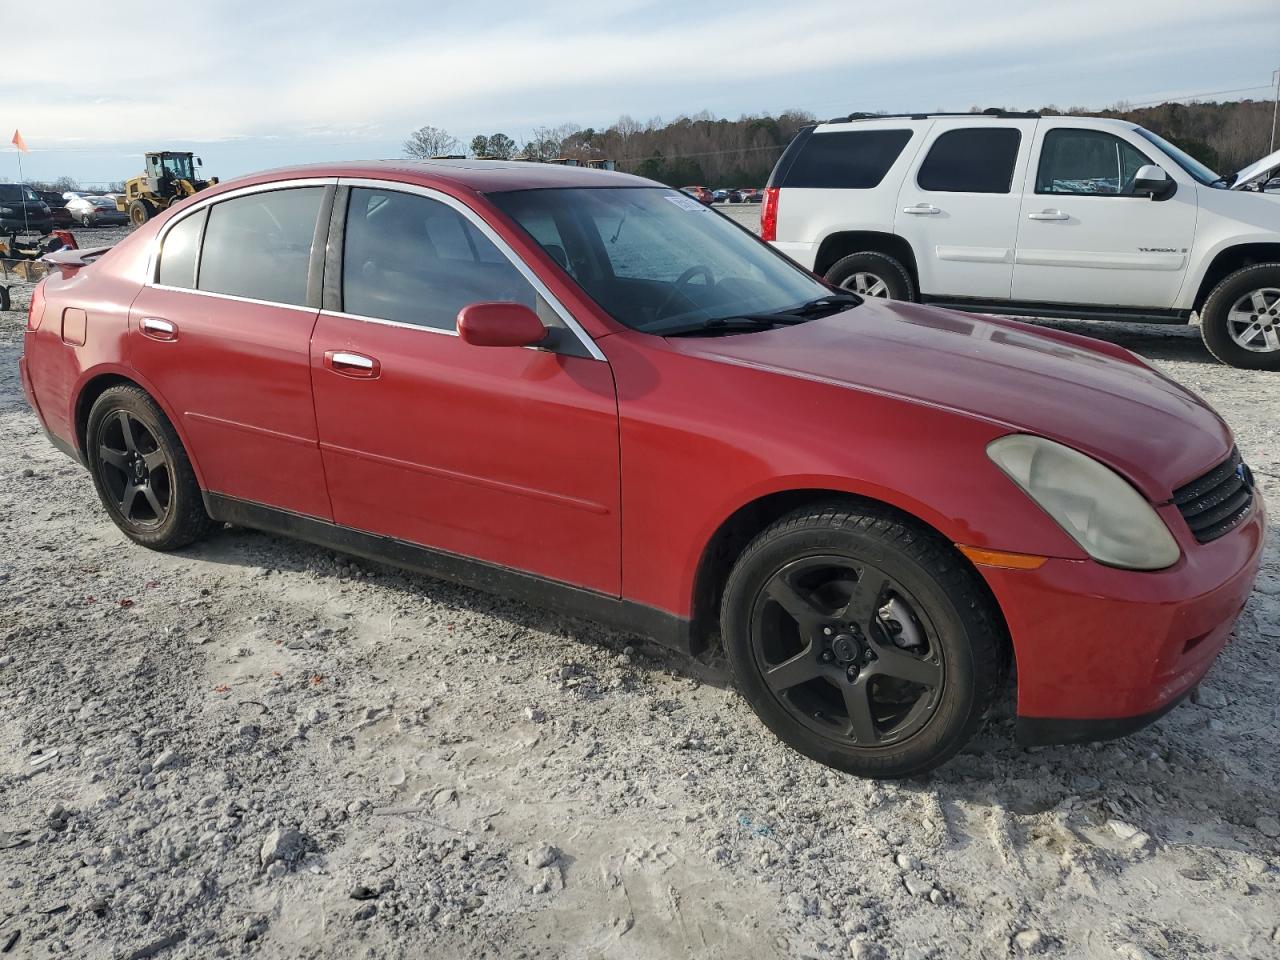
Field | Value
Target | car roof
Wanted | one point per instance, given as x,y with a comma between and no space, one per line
900,120
483,176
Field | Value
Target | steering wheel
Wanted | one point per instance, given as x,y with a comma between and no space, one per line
682,281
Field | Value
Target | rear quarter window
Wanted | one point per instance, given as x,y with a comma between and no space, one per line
847,159
975,160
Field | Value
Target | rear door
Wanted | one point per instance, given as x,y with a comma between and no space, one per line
1086,238
959,208
223,334
502,454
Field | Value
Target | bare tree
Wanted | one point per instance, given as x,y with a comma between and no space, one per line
430,142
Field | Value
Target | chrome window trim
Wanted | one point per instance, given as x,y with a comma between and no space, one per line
393,323
231,296
492,235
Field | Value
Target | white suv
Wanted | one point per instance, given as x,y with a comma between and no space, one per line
1043,216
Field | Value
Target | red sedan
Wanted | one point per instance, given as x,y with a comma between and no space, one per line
585,389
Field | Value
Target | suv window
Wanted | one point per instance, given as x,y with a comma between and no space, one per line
178,256
259,246
972,160
849,160
1087,162
416,260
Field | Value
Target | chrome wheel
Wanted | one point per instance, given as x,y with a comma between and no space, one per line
847,651
1254,321
866,285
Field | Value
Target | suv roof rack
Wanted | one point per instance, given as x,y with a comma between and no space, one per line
989,112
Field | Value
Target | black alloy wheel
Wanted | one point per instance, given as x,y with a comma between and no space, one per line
135,470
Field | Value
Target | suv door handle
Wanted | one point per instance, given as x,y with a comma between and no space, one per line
1048,215
352,364
922,209
158,328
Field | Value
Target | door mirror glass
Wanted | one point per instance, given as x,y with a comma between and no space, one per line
500,325
1153,181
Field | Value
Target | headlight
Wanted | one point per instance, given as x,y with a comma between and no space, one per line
1098,509
6,211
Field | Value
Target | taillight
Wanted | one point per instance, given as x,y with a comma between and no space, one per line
769,214
36,311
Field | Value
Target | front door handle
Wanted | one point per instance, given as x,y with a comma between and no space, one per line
1048,215
922,210
158,328
352,364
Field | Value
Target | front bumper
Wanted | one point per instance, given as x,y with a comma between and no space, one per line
1101,652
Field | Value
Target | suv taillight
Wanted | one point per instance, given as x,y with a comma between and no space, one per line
769,214
36,310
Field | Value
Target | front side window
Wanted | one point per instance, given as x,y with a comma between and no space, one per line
178,255
846,160
1087,162
972,160
259,245
655,259
415,260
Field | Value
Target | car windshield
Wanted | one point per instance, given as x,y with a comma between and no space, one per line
659,261
1183,159
179,166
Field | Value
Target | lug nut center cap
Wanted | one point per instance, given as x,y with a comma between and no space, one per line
845,648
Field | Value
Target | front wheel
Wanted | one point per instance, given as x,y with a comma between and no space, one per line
1240,321
141,472
86,220
862,639
872,274
140,211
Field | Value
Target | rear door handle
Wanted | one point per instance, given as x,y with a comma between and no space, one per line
1048,215
922,210
158,328
352,364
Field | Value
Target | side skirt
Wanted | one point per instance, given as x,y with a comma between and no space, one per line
1060,311
619,614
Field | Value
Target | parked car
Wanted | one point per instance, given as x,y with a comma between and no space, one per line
752,195
1045,216
701,194
57,208
22,211
719,196
506,366
96,211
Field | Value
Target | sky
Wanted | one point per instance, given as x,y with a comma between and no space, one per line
252,84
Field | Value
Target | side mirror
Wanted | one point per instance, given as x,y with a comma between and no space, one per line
199,162
1154,182
500,325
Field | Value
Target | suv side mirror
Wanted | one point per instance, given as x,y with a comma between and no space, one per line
500,325
1154,182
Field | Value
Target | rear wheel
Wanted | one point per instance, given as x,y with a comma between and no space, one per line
862,639
86,220
140,211
1240,321
872,274
141,472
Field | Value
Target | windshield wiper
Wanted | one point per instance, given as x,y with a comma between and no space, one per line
832,302
737,324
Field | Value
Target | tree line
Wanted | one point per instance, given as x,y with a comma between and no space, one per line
703,149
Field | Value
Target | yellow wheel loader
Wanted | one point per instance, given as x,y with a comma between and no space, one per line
170,176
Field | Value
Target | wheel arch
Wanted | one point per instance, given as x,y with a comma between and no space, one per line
1227,261
837,246
726,543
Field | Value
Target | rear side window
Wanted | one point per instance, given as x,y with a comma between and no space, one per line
975,160
259,246
416,260
847,160
178,255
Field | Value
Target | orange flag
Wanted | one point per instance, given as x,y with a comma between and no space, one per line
18,142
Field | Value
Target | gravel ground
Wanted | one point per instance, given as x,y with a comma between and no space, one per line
256,747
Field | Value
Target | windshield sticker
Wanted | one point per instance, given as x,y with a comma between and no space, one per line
683,202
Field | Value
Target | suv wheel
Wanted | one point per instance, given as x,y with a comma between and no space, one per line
1240,321
871,274
862,639
141,472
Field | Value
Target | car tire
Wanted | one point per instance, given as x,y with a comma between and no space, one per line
949,634
140,211
86,220
1234,328
143,477
872,274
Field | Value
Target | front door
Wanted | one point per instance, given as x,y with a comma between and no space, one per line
959,211
1086,238
502,454
224,335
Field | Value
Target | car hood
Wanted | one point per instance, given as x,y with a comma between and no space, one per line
1100,399
1256,171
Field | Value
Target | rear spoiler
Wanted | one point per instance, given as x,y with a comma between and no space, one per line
69,261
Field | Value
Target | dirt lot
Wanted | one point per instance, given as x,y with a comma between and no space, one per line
255,747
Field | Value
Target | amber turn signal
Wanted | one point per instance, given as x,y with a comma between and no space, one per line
998,558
